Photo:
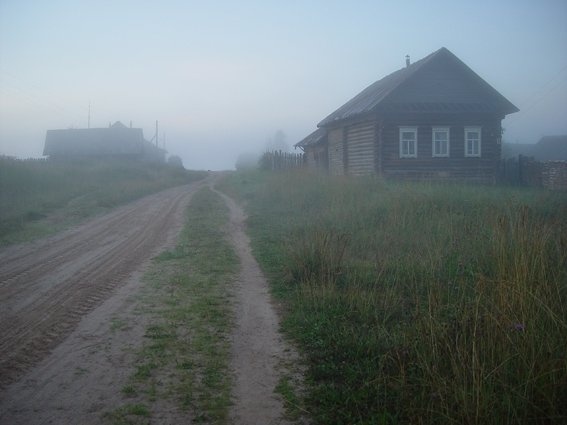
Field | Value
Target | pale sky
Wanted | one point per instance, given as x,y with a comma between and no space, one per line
223,76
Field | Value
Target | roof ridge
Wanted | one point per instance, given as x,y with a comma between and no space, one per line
403,74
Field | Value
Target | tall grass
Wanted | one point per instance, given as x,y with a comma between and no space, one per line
418,303
31,190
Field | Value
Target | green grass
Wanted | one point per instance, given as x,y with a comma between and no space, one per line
129,414
186,351
40,197
417,303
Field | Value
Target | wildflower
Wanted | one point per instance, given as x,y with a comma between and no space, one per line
520,327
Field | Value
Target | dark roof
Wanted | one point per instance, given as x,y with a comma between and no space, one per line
513,150
439,82
118,124
551,148
314,138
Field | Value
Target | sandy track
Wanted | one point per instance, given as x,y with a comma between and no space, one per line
258,348
47,287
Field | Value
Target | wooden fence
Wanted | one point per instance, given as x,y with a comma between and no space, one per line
278,160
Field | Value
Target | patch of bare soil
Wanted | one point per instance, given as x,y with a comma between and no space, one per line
47,290
258,348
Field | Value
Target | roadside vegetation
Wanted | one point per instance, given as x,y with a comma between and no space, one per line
185,357
39,197
417,303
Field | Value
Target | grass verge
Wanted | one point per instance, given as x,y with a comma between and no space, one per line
184,361
38,198
417,303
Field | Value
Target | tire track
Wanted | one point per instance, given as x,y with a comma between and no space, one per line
46,287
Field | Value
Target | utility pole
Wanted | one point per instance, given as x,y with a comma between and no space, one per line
156,134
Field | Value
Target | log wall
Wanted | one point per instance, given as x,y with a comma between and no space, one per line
361,149
336,151
456,167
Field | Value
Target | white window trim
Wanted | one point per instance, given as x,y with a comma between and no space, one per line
408,129
475,129
440,129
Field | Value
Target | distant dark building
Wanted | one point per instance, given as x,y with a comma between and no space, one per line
548,148
551,148
433,119
116,141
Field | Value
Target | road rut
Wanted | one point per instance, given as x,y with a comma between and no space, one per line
46,287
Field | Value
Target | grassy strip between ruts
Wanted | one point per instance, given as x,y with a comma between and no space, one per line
184,361
417,302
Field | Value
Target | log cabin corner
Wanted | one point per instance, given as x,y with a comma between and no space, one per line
435,119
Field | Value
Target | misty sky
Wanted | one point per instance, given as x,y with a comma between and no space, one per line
222,77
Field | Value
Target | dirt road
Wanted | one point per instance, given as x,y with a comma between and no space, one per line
48,286
82,361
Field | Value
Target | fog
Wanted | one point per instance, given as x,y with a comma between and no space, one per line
223,77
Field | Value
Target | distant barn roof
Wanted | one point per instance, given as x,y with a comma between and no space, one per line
401,91
551,148
314,138
116,139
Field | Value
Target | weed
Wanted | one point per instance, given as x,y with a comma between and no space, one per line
288,390
185,356
417,303
79,371
118,325
129,390
129,414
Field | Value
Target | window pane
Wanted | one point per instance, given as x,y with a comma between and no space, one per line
408,135
441,135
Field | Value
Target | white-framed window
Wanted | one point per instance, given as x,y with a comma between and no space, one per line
440,141
472,141
408,142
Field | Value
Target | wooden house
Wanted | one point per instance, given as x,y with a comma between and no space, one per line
115,141
315,148
433,119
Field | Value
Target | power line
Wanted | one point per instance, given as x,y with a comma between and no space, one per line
552,84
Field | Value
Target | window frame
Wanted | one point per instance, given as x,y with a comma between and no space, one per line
478,130
401,140
445,130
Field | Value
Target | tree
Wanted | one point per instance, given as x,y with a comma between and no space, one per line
175,161
277,143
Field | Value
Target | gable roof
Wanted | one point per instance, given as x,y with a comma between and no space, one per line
314,138
428,85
